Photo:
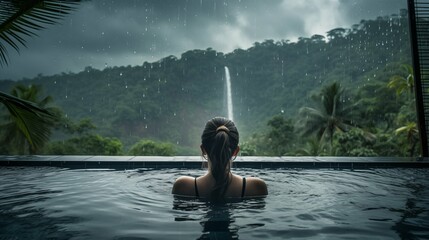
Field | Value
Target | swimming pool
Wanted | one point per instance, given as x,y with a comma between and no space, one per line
59,203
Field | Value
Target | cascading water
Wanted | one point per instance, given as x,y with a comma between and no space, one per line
228,93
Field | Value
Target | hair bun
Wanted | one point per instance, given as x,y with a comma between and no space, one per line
222,128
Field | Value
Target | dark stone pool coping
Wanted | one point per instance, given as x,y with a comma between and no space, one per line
132,162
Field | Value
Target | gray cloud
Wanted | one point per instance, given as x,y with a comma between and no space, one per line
128,32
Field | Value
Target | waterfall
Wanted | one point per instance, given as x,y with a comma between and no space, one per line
228,94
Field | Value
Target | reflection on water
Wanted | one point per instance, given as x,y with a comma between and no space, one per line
22,215
53,203
218,220
410,225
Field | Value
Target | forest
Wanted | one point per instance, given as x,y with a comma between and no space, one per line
347,94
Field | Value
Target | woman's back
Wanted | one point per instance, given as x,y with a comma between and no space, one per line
201,187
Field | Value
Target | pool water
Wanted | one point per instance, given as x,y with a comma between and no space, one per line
55,203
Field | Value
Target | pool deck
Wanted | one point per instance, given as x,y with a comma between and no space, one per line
132,162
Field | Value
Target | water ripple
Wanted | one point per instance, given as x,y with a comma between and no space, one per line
55,203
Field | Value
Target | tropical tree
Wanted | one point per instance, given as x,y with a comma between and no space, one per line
355,142
330,115
86,144
19,18
281,135
403,83
412,133
313,147
84,141
152,148
25,130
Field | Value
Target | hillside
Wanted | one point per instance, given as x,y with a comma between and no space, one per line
171,99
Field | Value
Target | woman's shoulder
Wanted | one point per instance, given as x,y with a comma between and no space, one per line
184,185
255,187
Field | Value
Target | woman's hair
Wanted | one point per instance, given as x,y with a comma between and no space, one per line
220,140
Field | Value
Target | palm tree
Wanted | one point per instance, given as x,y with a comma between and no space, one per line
405,83
25,128
20,18
329,116
313,147
410,129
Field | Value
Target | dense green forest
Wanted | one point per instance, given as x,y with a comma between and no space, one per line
350,94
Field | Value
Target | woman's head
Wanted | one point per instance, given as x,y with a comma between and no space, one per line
220,142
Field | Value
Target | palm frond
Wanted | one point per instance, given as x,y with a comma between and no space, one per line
22,18
32,120
312,121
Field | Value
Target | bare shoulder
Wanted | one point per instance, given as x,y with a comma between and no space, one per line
256,187
184,185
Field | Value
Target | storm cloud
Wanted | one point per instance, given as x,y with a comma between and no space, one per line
128,32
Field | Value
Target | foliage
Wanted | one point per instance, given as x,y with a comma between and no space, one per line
84,141
171,99
152,148
90,144
387,144
247,149
376,107
280,136
412,133
20,18
355,142
331,114
28,125
313,147
403,83
26,121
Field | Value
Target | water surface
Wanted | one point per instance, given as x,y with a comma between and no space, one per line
42,203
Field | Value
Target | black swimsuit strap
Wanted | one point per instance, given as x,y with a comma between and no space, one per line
243,189
196,189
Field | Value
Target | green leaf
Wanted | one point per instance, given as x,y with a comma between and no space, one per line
32,121
24,17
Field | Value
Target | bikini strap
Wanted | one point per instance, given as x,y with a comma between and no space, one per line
196,189
243,189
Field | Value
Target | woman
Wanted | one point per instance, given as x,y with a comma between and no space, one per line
219,146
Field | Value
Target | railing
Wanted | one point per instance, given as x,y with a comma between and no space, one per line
419,32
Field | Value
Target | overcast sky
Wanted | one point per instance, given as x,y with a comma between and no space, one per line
128,32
